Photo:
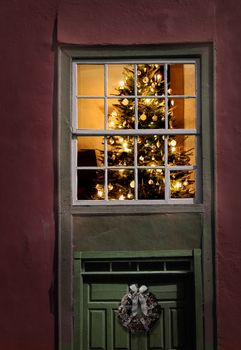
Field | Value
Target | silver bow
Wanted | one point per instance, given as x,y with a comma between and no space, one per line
138,296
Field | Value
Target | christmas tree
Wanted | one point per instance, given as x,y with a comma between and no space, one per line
150,148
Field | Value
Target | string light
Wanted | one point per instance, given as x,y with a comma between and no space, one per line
177,186
173,143
121,84
100,193
110,187
112,123
122,197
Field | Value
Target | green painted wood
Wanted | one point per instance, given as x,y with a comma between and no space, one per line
107,291
133,254
103,330
198,299
178,328
121,338
156,338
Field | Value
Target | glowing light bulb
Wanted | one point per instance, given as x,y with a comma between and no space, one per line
114,114
173,149
172,102
121,198
110,187
112,123
185,183
173,143
121,84
158,77
132,184
178,186
147,101
121,139
100,193
130,196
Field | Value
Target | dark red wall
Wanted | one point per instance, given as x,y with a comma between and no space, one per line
27,65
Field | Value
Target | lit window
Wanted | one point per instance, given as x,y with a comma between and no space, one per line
135,132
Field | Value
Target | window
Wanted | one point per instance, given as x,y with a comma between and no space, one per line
135,132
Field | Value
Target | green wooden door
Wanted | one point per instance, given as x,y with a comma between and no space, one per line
103,331
99,293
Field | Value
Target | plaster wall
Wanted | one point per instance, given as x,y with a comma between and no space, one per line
29,33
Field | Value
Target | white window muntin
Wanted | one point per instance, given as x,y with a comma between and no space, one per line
135,132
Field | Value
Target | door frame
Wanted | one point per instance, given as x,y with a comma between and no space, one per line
67,211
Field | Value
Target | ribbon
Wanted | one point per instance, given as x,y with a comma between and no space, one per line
138,296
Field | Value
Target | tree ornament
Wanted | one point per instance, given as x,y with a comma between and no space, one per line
139,72
154,118
125,102
132,184
114,114
143,117
139,310
173,143
150,182
145,80
130,195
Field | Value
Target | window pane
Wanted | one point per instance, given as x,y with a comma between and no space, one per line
120,79
151,184
90,113
120,151
182,113
121,184
90,151
90,79
151,150
182,80
121,113
90,184
150,79
151,113
182,184
181,150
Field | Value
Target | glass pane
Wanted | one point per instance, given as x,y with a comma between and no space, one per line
150,80
120,151
121,113
151,184
90,79
182,184
90,151
182,113
182,79
120,79
151,113
181,150
90,113
90,184
151,150
121,184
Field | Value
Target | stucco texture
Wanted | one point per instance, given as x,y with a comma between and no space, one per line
29,33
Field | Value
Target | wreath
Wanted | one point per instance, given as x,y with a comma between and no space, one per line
139,310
